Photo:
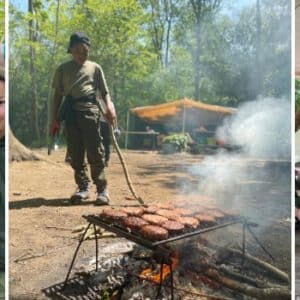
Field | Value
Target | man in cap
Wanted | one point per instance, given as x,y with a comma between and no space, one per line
80,81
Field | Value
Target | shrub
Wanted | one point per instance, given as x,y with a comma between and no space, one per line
180,140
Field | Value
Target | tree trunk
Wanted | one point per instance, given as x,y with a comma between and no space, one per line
158,27
197,60
201,8
49,102
258,72
169,15
32,39
18,152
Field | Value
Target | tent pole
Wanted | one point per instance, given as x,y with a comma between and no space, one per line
127,128
183,117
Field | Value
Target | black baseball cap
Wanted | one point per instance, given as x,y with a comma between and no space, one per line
78,37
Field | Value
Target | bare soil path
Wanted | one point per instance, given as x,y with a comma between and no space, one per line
41,244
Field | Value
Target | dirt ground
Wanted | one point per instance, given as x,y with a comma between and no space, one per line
41,244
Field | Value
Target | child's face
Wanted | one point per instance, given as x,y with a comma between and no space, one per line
2,108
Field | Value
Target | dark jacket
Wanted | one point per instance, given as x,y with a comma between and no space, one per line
2,204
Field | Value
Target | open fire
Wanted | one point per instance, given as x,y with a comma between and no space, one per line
205,270
160,275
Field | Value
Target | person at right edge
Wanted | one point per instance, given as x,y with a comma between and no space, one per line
79,81
2,174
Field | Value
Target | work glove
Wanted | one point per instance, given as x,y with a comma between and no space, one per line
54,129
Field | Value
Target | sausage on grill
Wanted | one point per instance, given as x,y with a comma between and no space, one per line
154,219
135,223
173,226
133,211
154,233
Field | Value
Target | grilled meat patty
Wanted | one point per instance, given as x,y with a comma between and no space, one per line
205,219
154,233
154,219
215,213
189,221
113,214
230,213
183,211
168,213
165,205
133,211
173,226
135,223
151,209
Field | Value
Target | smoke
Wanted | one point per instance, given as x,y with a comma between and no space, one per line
255,180
262,128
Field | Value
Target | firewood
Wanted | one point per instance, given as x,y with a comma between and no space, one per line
266,266
79,228
282,293
92,235
243,278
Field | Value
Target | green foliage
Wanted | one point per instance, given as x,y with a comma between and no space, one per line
122,34
179,140
2,18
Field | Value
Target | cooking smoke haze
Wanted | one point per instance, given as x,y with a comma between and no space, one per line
262,128
254,180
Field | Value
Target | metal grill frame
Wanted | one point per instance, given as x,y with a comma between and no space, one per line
121,231
96,220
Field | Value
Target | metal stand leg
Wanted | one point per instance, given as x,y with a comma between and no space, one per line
160,281
172,282
97,251
75,254
244,239
244,243
259,243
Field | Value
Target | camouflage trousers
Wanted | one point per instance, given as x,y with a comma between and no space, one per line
83,136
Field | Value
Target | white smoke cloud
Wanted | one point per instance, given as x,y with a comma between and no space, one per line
255,181
262,128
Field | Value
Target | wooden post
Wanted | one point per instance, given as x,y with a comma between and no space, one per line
183,117
127,128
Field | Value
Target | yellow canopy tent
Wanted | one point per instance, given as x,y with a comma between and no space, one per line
182,115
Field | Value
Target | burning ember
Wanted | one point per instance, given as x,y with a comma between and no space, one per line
158,276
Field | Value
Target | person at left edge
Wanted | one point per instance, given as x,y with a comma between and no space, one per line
2,175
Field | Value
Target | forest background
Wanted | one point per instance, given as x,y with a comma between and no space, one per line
2,18
221,52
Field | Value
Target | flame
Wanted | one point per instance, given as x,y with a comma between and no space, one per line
153,276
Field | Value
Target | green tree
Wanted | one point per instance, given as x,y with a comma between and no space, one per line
221,65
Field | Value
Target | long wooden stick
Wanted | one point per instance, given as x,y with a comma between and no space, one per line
126,173
116,146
